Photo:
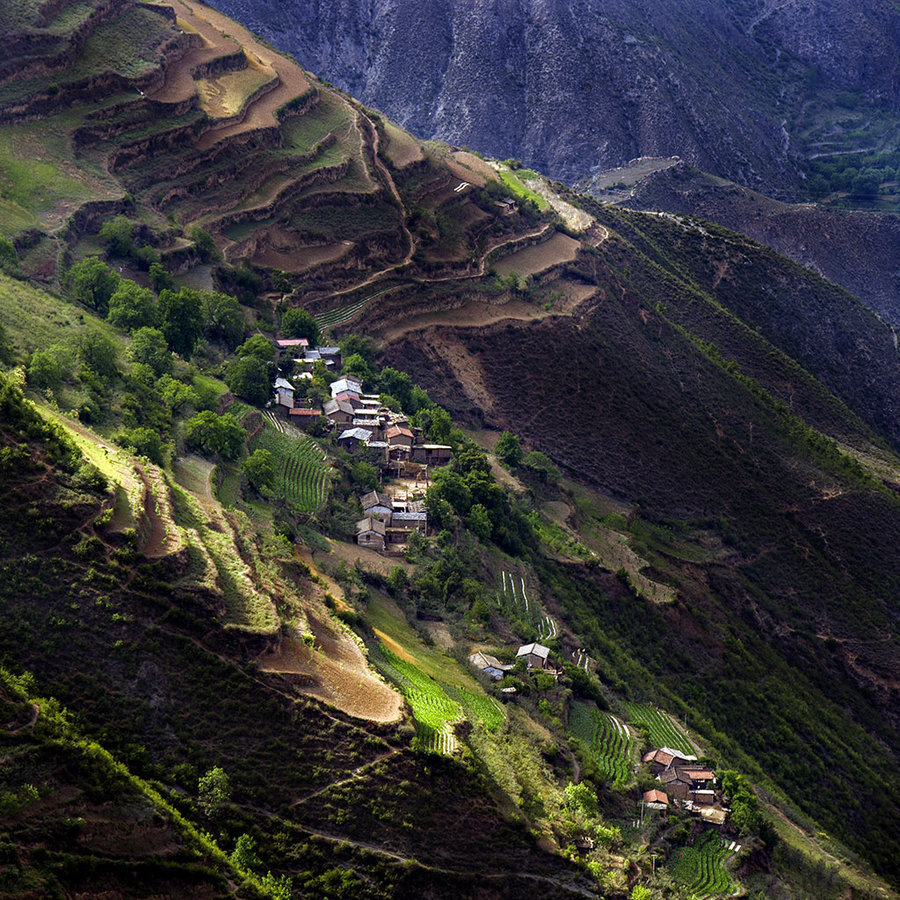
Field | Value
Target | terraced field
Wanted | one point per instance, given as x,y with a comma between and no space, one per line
302,475
610,742
701,868
435,712
662,729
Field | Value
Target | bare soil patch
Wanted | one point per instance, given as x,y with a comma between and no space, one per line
475,165
335,671
402,149
440,634
558,250
301,258
368,559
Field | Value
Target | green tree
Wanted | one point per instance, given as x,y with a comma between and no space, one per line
44,370
509,449
249,377
298,323
175,394
213,789
640,892
258,346
581,797
204,243
212,434
259,467
149,346
224,319
364,476
355,364
542,464
160,278
478,521
98,352
363,346
244,855
118,235
131,306
92,283
144,442
181,318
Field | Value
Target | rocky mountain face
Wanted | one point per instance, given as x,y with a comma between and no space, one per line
733,88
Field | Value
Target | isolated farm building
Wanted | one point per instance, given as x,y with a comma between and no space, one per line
403,524
353,437
339,412
489,665
305,418
506,206
536,656
351,384
295,345
371,532
656,799
284,393
376,504
432,454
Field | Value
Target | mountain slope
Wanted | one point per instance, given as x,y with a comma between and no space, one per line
734,89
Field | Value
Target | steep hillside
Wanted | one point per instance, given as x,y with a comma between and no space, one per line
668,394
857,250
737,89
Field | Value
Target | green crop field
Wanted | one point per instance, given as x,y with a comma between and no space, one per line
433,709
662,730
302,475
610,743
701,868
485,709
512,181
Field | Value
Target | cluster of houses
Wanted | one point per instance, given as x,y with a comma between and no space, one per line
389,520
685,783
359,419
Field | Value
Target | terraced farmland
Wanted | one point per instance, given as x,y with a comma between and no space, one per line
344,314
662,729
610,742
434,711
302,474
485,709
701,868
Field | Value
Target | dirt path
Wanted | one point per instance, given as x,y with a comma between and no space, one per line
353,776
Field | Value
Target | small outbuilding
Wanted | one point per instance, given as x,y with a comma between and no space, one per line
371,532
535,655
489,665
656,799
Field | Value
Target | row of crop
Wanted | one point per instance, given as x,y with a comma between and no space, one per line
343,314
434,711
302,474
662,731
701,868
608,740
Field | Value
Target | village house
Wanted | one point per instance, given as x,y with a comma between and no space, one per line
348,384
664,757
489,665
676,784
377,505
284,393
331,356
536,656
294,345
403,524
432,454
339,412
371,532
351,438
350,397
656,799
